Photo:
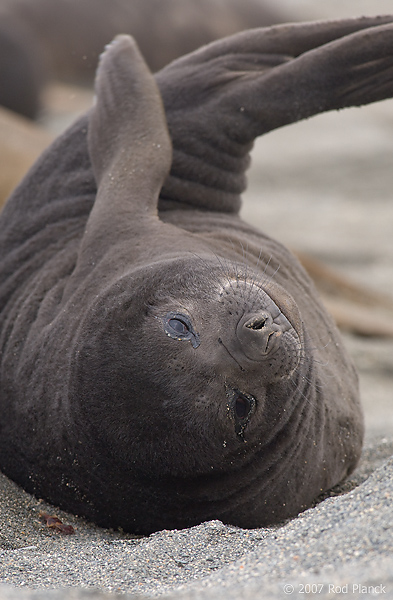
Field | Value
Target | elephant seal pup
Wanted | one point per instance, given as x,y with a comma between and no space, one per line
163,368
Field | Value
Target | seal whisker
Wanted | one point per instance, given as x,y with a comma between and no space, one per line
244,254
299,392
272,276
259,257
263,279
305,359
226,271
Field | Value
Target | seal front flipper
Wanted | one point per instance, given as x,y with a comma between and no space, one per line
128,142
220,98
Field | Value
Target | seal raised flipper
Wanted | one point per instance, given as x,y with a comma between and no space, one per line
130,151
127,130
129,147
251,83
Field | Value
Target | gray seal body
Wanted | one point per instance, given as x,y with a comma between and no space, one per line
162,362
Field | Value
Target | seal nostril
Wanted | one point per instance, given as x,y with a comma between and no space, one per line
257,323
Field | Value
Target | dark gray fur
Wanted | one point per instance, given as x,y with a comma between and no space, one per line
163,368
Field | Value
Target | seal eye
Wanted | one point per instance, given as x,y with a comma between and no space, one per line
179,327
